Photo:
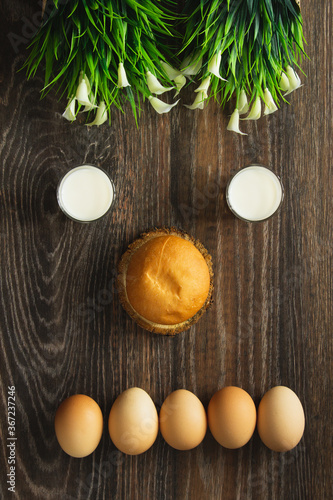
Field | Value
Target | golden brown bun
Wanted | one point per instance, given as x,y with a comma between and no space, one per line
165,281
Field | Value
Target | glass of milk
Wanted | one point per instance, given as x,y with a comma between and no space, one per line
85,193
254,193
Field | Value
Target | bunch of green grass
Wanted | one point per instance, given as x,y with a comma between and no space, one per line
257,41
91,37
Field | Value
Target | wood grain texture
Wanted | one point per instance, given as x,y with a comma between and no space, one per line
63,330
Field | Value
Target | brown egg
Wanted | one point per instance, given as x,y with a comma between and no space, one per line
78,425
232,417
281,419
133,421
183,420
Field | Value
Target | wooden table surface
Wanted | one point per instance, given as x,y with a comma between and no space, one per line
63,330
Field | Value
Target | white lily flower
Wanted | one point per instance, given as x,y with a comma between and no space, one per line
294,80
233,124
174,75
122,77
101,115
82,94
160,106
214,65
154,85
204,85
83,76
199,101
89,108
270,105
69,112
171,72
243,105
255,111
284,82
180,81
191,65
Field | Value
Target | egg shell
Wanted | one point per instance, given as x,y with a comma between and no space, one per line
133,421
183,420
281,420
232,417
78,425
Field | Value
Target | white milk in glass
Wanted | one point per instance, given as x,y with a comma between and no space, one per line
85,193
254,193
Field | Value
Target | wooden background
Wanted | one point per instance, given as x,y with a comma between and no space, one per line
63,330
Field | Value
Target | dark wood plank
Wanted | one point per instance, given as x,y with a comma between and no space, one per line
63,330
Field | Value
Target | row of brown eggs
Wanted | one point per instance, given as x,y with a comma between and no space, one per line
134,423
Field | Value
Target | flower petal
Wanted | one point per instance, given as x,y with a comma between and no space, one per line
255,111
233,124
214,65
199,101
122,77
180,81
243,105
204,85
160,106
69,112
101,115
270,105
154,85
171,72
294,80
191,65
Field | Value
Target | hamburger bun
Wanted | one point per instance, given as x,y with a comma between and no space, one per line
165,280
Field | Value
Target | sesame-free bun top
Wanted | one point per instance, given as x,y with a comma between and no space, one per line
167,280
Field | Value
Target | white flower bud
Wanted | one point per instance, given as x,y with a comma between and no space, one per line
101,115
199,101
122,77
233,124
294,80
243,105
154,85
83,76
270,105
160,106
204,85
214,65
255,111
180,81
191,65
171,72
284,82
82,93
69,112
